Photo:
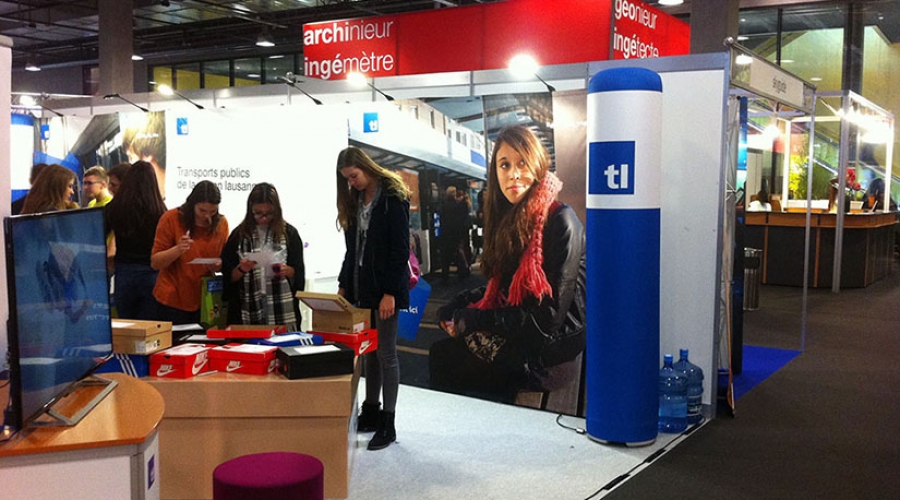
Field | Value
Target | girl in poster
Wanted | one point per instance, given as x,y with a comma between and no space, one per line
525,330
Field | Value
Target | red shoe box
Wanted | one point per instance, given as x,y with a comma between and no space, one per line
183,361
243,358
363,342
247,332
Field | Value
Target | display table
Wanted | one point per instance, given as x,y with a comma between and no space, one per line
216,417
867,251
111,453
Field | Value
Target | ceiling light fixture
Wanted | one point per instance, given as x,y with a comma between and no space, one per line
358,79
31,66
524,66
669,3
136,57
167,90
265,39
117,96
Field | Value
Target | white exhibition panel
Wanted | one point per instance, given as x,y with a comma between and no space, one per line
79,478
295,149
690,211
5,194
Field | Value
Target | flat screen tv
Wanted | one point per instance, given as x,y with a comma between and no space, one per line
59,314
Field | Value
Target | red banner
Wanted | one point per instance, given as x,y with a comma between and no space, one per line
487,36
642,31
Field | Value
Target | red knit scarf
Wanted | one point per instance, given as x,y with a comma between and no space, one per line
529,278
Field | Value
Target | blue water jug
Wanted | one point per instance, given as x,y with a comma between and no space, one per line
672,398
694,376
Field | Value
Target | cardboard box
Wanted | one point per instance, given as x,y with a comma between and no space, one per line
134,336
246,332
363,342
183,361
243,358
332,313
314,361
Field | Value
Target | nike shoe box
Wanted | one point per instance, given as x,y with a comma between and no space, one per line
182,361
315,361
246,332
243,358
289,339
332,313
362,342
134,336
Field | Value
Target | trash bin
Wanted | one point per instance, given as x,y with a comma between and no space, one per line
752,278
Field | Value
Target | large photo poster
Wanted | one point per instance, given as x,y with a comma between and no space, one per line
293,149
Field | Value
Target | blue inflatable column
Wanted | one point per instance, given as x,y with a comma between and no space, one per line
624,132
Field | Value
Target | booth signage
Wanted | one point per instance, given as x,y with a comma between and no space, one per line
334,48
641,32
769,81
487,36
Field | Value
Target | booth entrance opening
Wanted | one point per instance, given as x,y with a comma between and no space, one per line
770,132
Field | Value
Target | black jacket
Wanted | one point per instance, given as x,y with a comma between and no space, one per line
552,331
384,267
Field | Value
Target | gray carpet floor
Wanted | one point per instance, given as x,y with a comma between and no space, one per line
825,426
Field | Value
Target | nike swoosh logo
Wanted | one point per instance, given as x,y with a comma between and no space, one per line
164,370
364,346
232,366
197,367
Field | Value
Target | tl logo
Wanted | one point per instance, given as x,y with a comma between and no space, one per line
615,162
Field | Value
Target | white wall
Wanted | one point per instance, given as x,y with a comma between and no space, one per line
5,195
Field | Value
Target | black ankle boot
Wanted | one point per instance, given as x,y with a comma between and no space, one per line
369,417
386,434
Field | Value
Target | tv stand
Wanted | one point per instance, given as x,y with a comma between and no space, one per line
112,453
72,406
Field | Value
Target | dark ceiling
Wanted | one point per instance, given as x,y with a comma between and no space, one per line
65,32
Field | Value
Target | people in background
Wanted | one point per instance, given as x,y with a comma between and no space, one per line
96,183
761,203
454,216
17,205
195,230
146,141
131,217
525,330
52,190
373,211
116,176
263,293
874,197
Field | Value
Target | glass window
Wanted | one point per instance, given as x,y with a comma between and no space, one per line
811,42
216,74
162,75
278,65
247,71
187,76
881,71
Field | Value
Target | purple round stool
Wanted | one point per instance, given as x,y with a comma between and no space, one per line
270,476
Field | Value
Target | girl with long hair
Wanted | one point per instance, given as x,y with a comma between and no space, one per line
257,295
525,330
373,211
51,191
192,231
132,217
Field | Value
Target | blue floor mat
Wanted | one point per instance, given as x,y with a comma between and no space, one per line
759,364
